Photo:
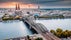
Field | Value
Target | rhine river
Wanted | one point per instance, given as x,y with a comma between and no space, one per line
13,29
19,29
64,24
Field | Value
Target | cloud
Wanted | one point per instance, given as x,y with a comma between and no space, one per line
42,2
30,1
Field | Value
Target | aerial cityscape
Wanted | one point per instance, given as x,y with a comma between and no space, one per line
35,19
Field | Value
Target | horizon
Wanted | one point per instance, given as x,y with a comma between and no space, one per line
35,8
36,3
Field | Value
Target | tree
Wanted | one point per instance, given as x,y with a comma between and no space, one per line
60,33
28,37
61,16
65,34
39,39
59,30
52,31
69,33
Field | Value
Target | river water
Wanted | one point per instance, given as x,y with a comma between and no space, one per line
13,29
64,24
18,28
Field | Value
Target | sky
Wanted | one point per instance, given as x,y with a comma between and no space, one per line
36,3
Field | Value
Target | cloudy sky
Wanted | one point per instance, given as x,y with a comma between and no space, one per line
34,3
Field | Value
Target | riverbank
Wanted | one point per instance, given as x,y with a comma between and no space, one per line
32,37
50,18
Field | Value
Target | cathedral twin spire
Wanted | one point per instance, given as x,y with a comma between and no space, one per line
17,7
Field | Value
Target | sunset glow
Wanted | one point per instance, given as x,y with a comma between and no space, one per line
13,4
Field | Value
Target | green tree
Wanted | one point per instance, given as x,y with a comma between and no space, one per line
39,39
28,37
52,31
69,33
61,16
59,30
60,33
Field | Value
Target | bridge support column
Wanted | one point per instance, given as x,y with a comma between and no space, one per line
30,27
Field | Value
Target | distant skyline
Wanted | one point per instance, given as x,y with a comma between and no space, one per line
35,3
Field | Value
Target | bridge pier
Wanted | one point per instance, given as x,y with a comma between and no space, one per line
33,30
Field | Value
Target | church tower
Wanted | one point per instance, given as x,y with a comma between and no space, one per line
17,10
17,7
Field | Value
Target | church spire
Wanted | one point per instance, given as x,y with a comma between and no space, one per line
17,7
